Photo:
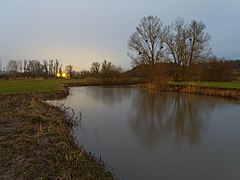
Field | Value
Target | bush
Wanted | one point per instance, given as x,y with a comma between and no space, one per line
218,71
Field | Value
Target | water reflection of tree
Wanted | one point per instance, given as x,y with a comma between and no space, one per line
162,115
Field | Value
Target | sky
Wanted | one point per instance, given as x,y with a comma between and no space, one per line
79,32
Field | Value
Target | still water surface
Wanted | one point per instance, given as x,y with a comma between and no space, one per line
142,134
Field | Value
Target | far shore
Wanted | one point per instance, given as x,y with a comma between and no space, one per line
194,89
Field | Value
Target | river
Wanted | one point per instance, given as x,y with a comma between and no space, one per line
145,134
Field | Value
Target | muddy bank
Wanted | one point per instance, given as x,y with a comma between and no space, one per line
36,142
210,91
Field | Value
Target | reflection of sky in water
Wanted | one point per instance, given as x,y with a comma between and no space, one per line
150,135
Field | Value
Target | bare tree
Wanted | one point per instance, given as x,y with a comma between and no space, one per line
186,44
25,66
199,46
95,68
14,67
146,42
110,72
69,70
56,67
51,68
35,68
45,69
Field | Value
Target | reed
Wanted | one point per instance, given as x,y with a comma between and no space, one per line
203,89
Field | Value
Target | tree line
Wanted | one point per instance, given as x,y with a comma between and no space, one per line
214,69
106,70
33,69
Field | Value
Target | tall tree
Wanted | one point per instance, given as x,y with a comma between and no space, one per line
199,42
51,68
35,68
56,67
45,69
186,44
69,70
95,68
14,67
146,42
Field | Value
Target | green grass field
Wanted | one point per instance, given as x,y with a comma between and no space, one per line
8,87
234,85
33,86
27,86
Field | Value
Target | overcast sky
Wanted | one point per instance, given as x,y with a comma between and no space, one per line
79,32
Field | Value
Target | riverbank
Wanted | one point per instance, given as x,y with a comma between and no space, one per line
194,89
36,142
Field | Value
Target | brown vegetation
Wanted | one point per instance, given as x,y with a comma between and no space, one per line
211,91
209,71
217,71
35,143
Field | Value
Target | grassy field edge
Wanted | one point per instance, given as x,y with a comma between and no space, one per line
36,140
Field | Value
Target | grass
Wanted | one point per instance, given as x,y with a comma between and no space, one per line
35,143
35,138
30,86
27,86
13,87
230,85
8,87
